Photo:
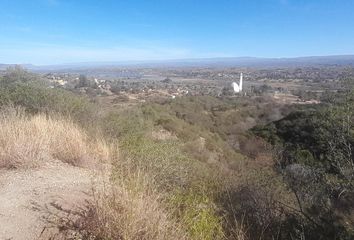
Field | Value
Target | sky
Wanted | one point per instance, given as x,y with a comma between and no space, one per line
44,32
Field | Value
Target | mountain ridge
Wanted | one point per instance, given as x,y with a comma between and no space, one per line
330,60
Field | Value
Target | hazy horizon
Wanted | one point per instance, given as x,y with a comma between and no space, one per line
196,59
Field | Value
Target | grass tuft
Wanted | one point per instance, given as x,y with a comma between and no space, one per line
28,141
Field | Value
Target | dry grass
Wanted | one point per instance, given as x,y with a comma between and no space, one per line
133,210
129,209
28,141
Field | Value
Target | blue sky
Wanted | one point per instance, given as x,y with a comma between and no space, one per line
65,31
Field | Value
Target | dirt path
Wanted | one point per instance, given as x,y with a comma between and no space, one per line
28,197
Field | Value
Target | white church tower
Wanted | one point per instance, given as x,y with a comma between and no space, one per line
238,87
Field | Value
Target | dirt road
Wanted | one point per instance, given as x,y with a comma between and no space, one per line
28,198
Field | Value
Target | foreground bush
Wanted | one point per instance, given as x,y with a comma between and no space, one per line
35,97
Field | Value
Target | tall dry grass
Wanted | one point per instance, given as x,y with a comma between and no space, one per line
132,209
28,141
128,208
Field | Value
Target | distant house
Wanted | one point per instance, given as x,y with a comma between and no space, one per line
60,82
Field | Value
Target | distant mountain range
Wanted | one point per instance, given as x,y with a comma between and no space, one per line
339,60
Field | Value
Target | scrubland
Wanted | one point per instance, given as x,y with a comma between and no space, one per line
188,168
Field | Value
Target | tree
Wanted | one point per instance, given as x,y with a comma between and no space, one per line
317,164
83,81
18,74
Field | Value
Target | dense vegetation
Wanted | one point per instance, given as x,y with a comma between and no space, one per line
315,157
190,168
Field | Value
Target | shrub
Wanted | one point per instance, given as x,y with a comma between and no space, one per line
18,74
125,123
199,214
34,98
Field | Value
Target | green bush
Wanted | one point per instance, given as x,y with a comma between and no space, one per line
199,214
37,98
